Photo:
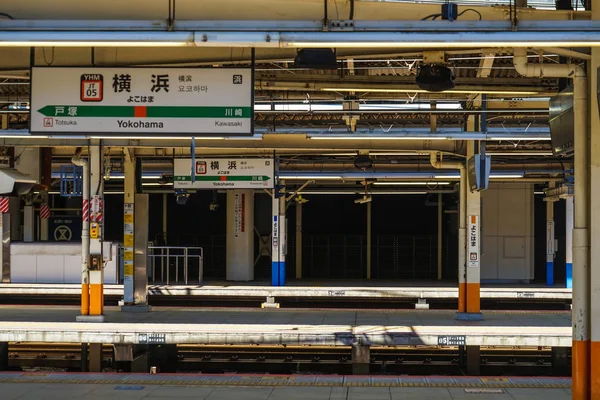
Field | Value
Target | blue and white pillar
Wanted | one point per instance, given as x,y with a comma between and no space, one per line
569,242
278,239
549,243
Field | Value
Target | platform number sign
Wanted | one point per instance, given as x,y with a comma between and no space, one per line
452,340
92,86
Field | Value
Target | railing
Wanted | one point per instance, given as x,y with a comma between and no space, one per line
171,260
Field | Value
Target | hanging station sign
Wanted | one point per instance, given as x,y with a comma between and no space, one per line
224,173
142,101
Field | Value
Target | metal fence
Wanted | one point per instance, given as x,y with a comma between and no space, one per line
173,265
339,256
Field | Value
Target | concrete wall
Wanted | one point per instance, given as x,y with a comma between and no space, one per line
507,224
56,263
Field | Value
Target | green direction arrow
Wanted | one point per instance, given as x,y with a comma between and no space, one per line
143,111
224,178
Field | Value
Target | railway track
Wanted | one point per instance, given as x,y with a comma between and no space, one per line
423,360
297,302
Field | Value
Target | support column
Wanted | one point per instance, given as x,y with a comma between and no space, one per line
462,242
128,229
569,243
361,359
95,357
84,358
3,356
240,235
582,279
473,358
586,260
298,240
440,238
164,219
550,241
473,243
96,268
135,242
369,213
278,239
28,223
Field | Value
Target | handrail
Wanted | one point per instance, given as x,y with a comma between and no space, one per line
177,254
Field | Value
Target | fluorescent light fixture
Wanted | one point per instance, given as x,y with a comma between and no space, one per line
121,177
383,153
538,193
451,91
384,183
517,138
449,176
309,177
105,193
520,153
357,193
156,184
334,136
94,44
506,176
444,44
158,137
22,137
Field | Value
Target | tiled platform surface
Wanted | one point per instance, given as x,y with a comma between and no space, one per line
255,387
311,288
243,326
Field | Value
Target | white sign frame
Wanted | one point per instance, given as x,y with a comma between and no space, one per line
213,173
126,101
473,241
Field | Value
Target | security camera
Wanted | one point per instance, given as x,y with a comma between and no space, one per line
363,200
182,197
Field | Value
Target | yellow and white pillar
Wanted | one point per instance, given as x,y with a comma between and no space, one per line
128,229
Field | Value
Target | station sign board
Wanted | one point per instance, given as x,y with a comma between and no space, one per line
224,173
473,253
142,101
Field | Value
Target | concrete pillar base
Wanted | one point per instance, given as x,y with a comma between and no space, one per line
89,318
463,316
361,359
95,364
421,304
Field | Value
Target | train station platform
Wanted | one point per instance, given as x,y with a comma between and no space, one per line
249,326
276,387
310,289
